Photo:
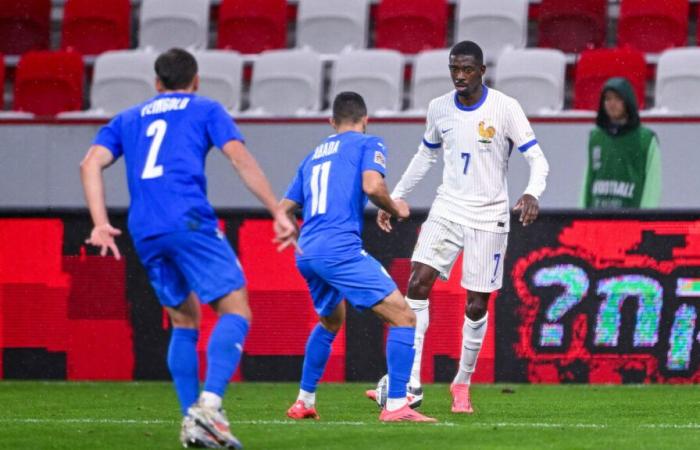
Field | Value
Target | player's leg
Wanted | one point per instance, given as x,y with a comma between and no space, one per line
329,305
318,350
211,269
482,275
438,246
399,357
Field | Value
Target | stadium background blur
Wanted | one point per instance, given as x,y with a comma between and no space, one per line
589,296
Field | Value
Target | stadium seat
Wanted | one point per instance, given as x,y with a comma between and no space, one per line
24,25
252,27
47,82
220,73
375,74
174,23
286,82
329,26
431,78
652,26
122,79
494,24
95,26
535,77
572,25
411,26
678,80
595,67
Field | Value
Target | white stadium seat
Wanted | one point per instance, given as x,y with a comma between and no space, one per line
122,79
678,81
535,77
493,24
286,82
174,23
375,74
431,78
220,73
330,26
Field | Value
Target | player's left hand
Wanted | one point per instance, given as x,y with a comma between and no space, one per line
529,208
384,220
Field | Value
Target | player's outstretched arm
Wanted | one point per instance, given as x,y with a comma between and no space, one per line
257,183
102,235
374,186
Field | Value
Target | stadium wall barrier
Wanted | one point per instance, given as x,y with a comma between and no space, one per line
587,298
39,160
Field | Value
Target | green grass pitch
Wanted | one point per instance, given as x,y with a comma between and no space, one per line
62,415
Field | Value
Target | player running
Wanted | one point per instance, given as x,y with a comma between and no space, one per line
477,128
332,185
164,142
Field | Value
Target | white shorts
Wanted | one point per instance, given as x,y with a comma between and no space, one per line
440,242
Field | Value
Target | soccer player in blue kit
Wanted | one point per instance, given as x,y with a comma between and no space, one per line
332,185
164,142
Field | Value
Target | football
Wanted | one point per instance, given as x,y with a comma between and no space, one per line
414,395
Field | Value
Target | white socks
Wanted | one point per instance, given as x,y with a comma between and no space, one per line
309,398
210,400
392,404
420,308
473,333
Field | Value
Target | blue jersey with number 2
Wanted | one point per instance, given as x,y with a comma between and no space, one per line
328,186
165,141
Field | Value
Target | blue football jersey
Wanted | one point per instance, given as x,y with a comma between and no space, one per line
328,186
165,141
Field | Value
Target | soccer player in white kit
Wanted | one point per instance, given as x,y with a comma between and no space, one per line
476,128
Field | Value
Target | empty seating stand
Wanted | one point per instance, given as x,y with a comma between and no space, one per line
595,67
252,26
330,26
95,26
411,26
49,82
653,25
24,25
174,23
572,25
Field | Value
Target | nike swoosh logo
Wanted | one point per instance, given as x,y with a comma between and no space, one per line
446,130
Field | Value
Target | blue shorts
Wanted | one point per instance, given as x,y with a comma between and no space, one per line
361,280
185,261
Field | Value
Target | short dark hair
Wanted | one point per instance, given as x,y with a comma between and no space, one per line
176,68
349,107
468,48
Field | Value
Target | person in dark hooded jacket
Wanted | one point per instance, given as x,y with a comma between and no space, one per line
624,162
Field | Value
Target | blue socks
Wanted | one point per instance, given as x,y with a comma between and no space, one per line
318,350
224,352
183,365
399,359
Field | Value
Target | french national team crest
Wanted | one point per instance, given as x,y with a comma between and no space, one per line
486,131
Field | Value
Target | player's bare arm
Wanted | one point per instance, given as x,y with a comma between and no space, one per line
374,186
257,183
102,234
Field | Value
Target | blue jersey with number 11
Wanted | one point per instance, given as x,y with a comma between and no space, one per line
328,186
165,141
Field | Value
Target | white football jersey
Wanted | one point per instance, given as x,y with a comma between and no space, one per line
476,142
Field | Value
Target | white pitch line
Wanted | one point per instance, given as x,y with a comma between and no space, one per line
534,425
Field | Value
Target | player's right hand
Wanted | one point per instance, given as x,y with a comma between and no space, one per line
286,232
402,209
103,236
384,220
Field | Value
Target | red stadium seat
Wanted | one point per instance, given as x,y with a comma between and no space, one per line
595,67
95,26
653,25
47,83
572,25
411,26
24,25
252,27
